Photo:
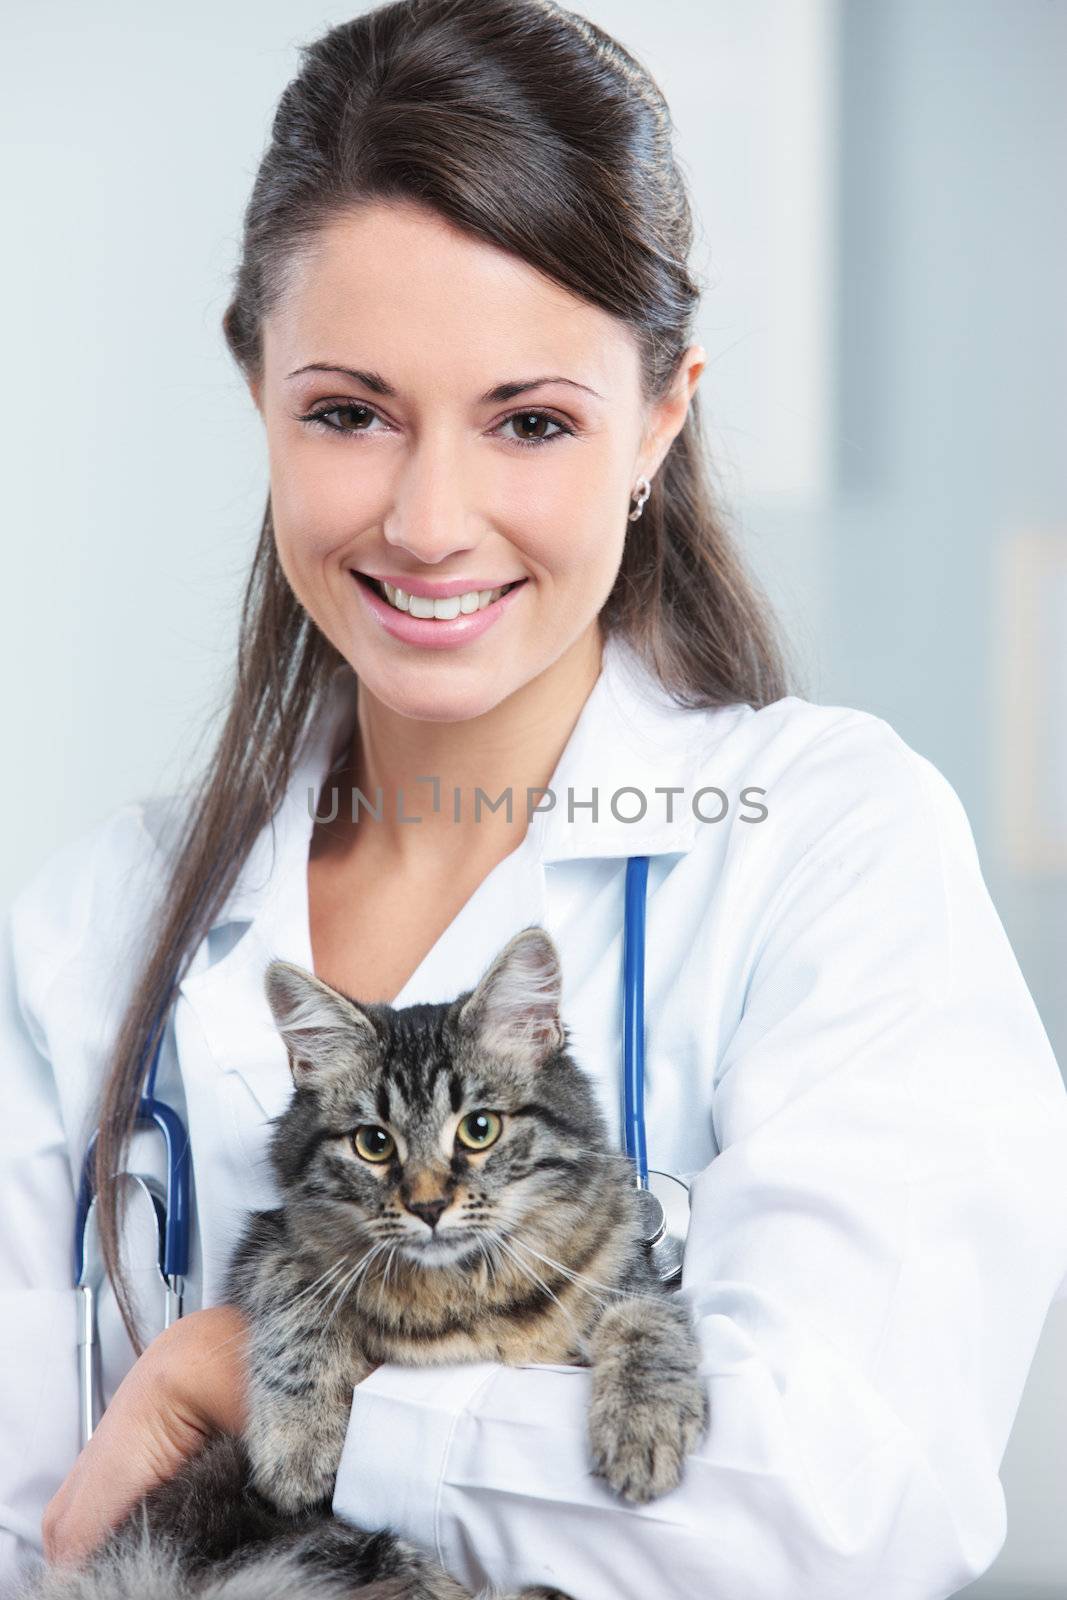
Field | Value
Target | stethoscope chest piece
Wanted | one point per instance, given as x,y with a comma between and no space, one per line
664,1213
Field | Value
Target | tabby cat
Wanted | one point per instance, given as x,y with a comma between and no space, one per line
449,1194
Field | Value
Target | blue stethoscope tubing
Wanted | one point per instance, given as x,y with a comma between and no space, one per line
173,1209
633,1017
151,1113
173,1220
666,1239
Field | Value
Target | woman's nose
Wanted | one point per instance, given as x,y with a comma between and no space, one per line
432,515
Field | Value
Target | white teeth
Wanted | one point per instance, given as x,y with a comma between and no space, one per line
422,606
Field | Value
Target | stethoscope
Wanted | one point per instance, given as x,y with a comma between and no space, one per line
664,1206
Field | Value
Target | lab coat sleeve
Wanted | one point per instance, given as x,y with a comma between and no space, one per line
871,1256
38,1372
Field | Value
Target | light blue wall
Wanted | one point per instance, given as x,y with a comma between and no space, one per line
951,434
951,399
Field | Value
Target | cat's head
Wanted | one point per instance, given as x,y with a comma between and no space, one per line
438,1129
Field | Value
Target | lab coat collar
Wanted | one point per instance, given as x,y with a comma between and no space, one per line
630,743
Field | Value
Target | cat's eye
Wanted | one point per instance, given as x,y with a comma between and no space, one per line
479,1129
373,1143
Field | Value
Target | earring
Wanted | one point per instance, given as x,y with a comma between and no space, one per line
641,494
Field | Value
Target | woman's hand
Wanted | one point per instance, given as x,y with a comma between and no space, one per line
188,1384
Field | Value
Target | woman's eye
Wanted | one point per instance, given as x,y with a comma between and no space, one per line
479,1129
538,419
531,426
373,1143
352,409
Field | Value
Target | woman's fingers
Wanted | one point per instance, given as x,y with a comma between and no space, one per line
188,1384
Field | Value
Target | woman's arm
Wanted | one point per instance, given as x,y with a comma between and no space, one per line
870,1262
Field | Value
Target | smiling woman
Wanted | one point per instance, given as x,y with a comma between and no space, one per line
411,469
490,561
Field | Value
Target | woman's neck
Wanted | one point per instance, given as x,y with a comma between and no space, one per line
435,770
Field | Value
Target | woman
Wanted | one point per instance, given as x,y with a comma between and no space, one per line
464,207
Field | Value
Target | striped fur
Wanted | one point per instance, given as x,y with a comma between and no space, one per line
526,1251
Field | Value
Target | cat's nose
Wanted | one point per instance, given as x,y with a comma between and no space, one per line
429,1210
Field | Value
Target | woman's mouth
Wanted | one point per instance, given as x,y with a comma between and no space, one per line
436,624
417,605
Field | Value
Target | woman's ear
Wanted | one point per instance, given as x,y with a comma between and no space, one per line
667,416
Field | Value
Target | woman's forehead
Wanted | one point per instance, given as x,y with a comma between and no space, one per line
396,289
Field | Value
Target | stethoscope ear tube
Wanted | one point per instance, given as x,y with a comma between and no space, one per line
174,1241
173,1218
633,1017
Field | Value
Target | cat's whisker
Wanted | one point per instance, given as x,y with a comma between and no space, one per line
484,1263
354,1278
386,1245
577,1278
323,1278
581,1278
342,1296
487,1260
372,1255
525,1268
337,1294
493,1256
359,1268
382,1277
240,1334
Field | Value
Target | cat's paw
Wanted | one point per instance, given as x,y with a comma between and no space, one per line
642,1454
649,1407
296,1483
293,1467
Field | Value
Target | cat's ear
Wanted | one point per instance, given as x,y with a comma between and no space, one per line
322,1028
514,1011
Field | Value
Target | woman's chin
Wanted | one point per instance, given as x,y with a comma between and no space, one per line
443,686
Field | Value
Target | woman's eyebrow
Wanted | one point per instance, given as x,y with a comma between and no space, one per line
502,391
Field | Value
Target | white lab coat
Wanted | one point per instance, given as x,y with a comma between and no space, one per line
841,1050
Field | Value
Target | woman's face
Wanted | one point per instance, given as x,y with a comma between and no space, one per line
442,417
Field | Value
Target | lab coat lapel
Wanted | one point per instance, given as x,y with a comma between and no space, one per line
511,897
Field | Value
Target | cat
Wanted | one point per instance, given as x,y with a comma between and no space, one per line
449,1194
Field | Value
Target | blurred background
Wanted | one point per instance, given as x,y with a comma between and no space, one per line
882,236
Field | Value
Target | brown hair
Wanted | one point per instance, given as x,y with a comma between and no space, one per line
532,129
